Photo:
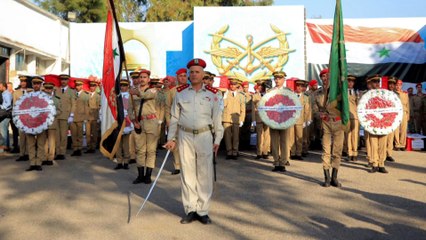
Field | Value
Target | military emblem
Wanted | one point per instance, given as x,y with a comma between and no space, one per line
280,108
34,112
380,111
250,61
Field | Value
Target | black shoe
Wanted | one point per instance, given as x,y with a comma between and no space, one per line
327,178
189,218
148,175
390,159
304,154
119,166
287,163
292,157
334,182
38,168
344,154
276,169
228,157
60,157
76,153
382,170
132,161
234,157
265,156
141,176
31,168
21,159
15,150
282,169
204,219
126,166
49,163
176,172
402,149
258,157
298,157
374,169
90,151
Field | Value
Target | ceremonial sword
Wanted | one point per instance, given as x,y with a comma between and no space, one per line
155,181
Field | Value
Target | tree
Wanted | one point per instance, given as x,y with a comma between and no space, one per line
130,10
87,11
182,10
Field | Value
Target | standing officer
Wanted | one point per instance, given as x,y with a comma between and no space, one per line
160,102
196,112
263,144
296,131
416,102
132,144
351,137
50,145
146,141
401,131
314,129
233,117
92,125
280,146
333,135
23,151
390,136
67,97
81,113
36,142
245,129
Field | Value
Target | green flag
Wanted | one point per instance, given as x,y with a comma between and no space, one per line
338,72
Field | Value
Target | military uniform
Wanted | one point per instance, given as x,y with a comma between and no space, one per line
132,149
170,95
67,97
123,152
92,125
416,108
352,136
50,145
23,150
263,144
233,118
81,113
245,129
401,131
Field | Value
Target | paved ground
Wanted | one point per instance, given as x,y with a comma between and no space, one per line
84,198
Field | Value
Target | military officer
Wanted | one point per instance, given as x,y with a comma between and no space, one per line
123,154
50,145
146,141
263,144
391,136
36,142
196,112
333,134
352,136
233,117
367,134
132,149
377,142
81,113
160,101
416,102
314,129
245,129
401,131
92,124
67,98
208,78
296,132
23,89
280,146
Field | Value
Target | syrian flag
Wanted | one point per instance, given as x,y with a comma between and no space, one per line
390,47
112,111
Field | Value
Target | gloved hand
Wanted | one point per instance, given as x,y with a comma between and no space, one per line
308,123
241,124
160,122
253,124
70,119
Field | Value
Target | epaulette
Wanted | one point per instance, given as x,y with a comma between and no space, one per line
180,88
306,94
212,89
57,97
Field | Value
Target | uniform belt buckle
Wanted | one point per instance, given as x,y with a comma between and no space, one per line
194,131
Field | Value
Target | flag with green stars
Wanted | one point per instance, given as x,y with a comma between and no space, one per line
338,84
112,111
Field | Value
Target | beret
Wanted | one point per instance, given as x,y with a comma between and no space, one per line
196,62
180,71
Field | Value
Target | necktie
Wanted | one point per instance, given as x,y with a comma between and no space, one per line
63,90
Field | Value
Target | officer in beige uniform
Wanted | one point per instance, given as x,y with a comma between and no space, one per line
81,113
416,105
67,97
233,117
296,132
280,146
36,142
23,150
263,144
333,134
352,136
314,129
391,136
160,101
146,141
50,145
123,153
132,149
196,112
401,131
92,125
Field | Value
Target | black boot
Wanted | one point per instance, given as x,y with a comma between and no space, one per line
140,178
119,166
148,175
126,166
327,178
334,181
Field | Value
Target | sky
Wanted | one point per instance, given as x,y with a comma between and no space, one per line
361,8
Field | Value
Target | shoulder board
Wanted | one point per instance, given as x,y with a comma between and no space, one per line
405,92
180,88
57,97
306,94
211,89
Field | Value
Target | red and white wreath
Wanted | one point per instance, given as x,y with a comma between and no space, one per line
34,112
380,111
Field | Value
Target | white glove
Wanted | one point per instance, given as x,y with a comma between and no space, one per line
241,124
160,122
253,124
70,119
308,123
